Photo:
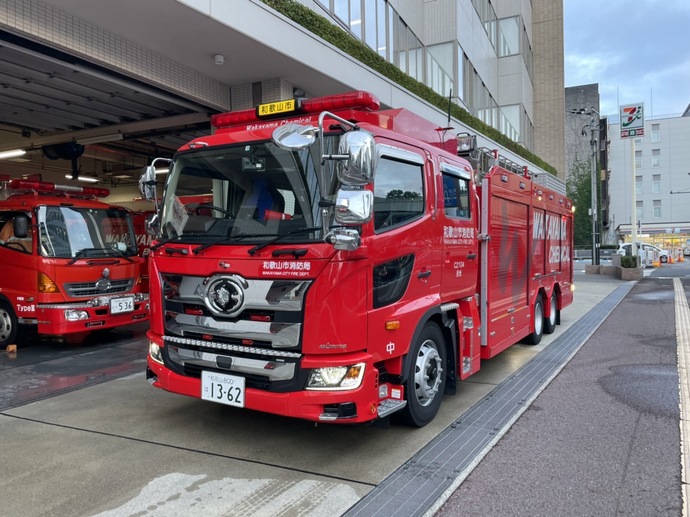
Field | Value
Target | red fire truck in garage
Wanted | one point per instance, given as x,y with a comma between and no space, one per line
69,261
347,263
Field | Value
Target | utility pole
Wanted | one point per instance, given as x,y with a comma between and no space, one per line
593,126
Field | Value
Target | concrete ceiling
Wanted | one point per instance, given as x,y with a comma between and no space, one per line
50,97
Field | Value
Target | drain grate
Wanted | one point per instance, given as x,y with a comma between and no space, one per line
431,475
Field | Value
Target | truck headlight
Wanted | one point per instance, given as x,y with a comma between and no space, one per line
155,352
336,377
75,315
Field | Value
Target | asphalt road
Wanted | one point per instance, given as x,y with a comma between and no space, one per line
603,438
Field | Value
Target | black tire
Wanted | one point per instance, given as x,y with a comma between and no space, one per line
550,322
426,377
535,337
8,324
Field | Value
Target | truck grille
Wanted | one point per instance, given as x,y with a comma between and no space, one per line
82,289
269,313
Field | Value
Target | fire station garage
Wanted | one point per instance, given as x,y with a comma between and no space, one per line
93,92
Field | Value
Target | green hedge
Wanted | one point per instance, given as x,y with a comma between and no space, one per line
358,50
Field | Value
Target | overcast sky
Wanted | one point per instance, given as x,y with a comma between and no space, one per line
636,50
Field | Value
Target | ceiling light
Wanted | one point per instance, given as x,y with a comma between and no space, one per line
14,153
87,179
100,139
219,59
163,171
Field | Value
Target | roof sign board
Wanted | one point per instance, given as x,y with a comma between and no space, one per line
632,120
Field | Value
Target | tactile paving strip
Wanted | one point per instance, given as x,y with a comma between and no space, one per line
425,482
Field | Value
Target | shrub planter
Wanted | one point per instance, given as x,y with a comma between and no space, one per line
607,270
591,269
630,273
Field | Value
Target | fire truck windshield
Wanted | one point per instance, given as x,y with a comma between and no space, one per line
72,232
247,194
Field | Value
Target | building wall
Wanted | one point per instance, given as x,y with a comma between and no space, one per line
672,175
549,83
577,143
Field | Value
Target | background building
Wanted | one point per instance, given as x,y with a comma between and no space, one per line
128,80
661,179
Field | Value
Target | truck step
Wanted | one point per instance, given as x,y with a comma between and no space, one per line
389,406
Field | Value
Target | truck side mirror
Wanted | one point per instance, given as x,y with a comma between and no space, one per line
354,207
20,226
147,183
359,149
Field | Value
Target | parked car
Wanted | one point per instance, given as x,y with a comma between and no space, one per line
624,249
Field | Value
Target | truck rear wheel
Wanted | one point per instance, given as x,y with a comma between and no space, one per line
8,324
550,322
426,377
535,337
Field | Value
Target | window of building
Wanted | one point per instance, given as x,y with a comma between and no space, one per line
638,159
341,8
509,36
510,122
656,133
638,210
440,69
638,184
657,209
656,184
356,18
656,157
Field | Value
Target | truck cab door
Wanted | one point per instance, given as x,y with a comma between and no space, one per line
458,216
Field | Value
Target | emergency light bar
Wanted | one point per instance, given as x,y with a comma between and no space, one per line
46,186
350,100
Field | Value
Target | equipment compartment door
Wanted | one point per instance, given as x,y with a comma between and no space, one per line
505,305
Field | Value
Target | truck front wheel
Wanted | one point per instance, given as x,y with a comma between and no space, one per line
426,377
8,324
535,337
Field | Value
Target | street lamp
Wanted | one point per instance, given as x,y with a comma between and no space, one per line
593,126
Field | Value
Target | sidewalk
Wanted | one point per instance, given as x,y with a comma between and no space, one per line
603,437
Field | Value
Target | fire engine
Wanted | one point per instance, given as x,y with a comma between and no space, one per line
347,265
70,263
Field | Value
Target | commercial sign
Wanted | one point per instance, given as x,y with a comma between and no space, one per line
632,120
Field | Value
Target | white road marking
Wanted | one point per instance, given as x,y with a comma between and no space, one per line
683,341
183,495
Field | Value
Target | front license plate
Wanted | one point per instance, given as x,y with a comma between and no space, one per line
222,388
120,305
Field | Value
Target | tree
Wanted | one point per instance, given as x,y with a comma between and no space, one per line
579,189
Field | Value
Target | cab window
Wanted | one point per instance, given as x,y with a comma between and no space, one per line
398,193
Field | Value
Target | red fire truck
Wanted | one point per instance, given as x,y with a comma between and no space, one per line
349,264
69,261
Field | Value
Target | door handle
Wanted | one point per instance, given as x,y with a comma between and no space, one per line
471,256
424,274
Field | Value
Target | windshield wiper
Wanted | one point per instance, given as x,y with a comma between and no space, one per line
228,238
162,242
104,251
261,246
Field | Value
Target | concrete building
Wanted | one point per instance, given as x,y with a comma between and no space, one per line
661,179
130,80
